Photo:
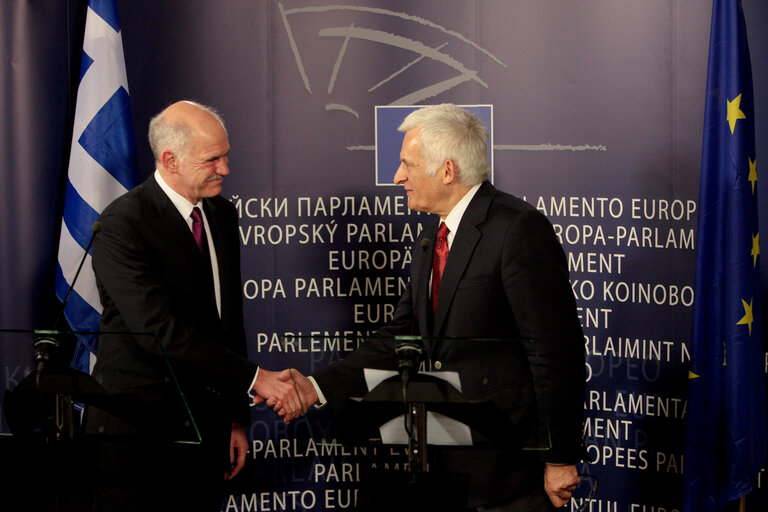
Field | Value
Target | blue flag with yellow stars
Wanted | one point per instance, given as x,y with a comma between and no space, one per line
726,414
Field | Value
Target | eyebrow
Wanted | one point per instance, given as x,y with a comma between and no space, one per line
216,157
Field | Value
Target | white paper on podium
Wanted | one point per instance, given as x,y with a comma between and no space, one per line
441,430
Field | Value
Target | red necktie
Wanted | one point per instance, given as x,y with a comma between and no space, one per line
198,231
439,257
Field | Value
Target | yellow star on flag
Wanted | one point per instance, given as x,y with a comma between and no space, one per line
755,249
734,112
747,319
752,171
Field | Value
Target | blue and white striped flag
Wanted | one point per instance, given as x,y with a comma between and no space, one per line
102,166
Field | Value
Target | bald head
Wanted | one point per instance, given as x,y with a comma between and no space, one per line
173,128
190,145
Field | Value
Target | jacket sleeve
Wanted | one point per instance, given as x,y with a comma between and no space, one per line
535,280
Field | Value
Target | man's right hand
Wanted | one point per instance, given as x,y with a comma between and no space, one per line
293,405
278,391
306,391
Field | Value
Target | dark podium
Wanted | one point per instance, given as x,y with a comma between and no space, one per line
457,400
49,459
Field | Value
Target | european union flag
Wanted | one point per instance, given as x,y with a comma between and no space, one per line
726,423
102,166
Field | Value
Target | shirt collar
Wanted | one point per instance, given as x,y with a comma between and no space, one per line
454,218
181,203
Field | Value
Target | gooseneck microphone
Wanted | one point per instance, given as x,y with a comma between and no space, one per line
46,345
408,354
96,228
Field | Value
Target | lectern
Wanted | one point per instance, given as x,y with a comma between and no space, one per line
469,395
48,457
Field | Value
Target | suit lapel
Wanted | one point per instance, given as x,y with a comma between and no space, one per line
222,253
464,243
177,235
174,226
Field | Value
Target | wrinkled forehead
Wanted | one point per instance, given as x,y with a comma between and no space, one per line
411,145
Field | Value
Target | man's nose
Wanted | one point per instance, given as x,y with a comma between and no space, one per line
400,175
223,167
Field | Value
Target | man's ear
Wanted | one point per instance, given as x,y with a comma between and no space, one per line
168,160
448,172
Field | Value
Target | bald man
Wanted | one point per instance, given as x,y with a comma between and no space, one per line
167,264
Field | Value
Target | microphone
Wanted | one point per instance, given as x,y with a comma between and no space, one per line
46,345
425,243
409,355
96,228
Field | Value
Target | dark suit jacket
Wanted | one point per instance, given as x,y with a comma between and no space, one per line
506,277
152,279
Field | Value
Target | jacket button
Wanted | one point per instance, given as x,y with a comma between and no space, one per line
438,365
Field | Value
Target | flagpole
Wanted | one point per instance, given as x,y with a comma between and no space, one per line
743,504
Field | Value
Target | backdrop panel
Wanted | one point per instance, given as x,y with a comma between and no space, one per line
597,109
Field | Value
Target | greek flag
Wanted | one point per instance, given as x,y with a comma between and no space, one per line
726,424
102,166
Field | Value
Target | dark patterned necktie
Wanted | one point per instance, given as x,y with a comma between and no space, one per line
198,231
439,257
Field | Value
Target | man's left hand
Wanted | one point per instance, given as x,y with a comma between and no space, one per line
238,447
560,482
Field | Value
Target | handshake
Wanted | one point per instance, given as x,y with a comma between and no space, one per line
289,393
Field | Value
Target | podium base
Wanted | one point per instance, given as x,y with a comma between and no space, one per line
37,478
398,490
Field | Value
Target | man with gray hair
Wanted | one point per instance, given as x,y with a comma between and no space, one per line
502,275
167,265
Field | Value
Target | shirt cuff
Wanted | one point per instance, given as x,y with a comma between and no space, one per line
321,401
253,383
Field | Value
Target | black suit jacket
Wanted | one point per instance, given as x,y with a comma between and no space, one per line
152,279
506,277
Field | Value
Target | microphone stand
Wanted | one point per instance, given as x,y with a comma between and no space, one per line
46,346
409,355
63,417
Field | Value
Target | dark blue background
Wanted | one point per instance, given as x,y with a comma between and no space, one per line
627,76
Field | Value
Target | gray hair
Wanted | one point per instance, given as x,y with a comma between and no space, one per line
449,132
174,134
